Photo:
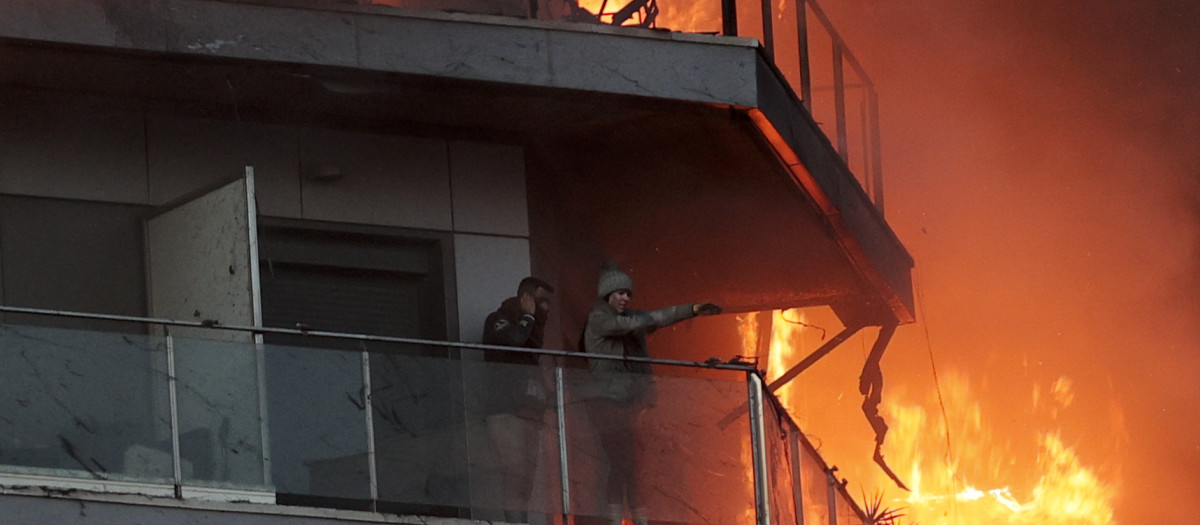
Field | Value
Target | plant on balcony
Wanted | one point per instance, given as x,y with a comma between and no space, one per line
878,514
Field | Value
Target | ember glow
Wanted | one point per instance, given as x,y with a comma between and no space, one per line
960,469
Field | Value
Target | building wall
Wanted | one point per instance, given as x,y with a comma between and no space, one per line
95,162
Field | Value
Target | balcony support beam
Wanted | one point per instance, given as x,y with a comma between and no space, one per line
812,358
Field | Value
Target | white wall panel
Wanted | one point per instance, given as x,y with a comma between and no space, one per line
489,188
375,179
487,270
186,154
73,151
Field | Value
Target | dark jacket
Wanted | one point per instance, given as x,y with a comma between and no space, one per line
516,386
511,326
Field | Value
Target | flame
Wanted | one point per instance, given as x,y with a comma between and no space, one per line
690,17
960,470
782,352
970,480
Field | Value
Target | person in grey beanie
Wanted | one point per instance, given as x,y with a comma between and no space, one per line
620,390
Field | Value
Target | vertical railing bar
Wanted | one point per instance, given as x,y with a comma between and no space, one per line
729,20
876,146
173,402
802,42
831,482
758,447
797,474
260,361
564,469
864,127
839,101
372,472
768,29
257,320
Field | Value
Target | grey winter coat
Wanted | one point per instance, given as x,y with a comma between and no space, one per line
624,334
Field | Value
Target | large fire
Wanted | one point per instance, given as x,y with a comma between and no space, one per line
959,470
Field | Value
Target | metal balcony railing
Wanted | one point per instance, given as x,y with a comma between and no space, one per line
184,409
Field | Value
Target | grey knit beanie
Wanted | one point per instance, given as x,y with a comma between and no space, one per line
612,279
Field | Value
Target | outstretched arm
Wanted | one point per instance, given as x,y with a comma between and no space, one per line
612,325
607,325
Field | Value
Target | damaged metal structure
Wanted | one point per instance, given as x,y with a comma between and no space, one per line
246,248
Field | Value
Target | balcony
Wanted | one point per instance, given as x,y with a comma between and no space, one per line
769,146
282,422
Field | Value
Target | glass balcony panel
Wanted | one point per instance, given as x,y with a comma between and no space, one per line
815,484
512,437
858,126
84,404
779,464
678,450
419,424
750,19
220,402
847,511
787,42
821,77
318,426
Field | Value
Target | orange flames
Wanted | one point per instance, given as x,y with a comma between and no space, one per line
959,469
702,16
971,479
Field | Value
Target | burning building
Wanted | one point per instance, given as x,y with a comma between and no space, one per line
247,249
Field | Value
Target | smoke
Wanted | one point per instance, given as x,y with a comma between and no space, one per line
1041,165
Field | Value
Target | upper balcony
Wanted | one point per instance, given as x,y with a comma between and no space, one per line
310,425
662,149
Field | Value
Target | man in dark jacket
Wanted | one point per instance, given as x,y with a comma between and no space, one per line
516,399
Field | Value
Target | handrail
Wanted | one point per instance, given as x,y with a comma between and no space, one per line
743,367
762,401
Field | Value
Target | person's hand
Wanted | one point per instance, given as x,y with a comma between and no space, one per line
528,303
706,309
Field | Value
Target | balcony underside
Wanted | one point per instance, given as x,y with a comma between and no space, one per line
683,156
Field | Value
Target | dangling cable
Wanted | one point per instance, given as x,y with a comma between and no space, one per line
938,388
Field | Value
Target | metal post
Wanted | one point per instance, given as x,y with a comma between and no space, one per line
876,146
563,470
256,312
839,101
729,21
831,481
176,460
802,42
372,473
813,357
758,446
768,30
797,474
264,430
